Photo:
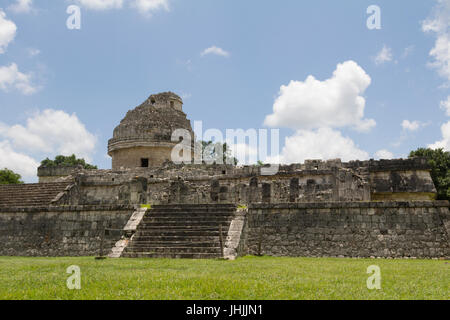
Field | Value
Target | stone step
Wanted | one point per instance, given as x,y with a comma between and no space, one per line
23,195
172,250
186,243
182,223
175,238
183,214
33,187
172,255
180,233
26,196
186,218
191,217
191,210
197,206
22,192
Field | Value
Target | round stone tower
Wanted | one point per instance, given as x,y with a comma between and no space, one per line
143,137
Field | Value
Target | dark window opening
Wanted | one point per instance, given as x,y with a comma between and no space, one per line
153,101
144,163
224,172
172,104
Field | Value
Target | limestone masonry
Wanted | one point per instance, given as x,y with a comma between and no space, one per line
369,208
145,133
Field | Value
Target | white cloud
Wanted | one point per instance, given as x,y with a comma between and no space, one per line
385,55
439,23
445,105
101,4
11,77
441,54
408,51
33,52
47,133
22,6
335,102
51,132
445,142
8,31
20,163
411,125
384,154
148,6
145,7
245,153
324,144
215,50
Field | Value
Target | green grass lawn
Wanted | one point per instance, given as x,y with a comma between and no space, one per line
245,278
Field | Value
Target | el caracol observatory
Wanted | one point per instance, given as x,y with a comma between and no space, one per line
159,208
144,137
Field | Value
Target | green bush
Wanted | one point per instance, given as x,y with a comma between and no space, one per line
439,160
10,177
67,162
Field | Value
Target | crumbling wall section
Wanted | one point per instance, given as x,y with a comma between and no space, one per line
314,181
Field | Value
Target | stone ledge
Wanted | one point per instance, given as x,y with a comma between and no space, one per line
67,208
338,205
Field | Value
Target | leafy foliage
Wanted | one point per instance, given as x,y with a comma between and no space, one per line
10,177
211,155
439,160
63,161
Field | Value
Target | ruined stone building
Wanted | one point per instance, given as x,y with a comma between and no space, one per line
147,206
143,138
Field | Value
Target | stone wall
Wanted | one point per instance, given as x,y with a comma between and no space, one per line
156,153
54,174
346,229
396,180
60,231
388,230
219,184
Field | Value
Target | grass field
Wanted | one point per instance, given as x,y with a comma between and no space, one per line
245,278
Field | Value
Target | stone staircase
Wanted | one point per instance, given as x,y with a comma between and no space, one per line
181,231
30,195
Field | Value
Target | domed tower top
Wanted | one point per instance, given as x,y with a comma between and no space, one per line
166,99
143,137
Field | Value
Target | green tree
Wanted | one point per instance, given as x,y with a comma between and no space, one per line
10,177
70,161
209,154
439,160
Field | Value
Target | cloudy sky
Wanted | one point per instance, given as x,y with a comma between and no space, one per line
313,69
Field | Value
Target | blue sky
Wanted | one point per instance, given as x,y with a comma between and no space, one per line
64,91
